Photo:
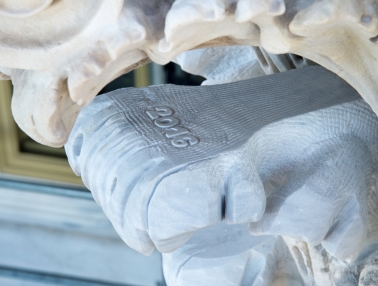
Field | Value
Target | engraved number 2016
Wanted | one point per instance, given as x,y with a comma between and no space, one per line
162,117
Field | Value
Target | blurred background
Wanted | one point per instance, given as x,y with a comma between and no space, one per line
51,230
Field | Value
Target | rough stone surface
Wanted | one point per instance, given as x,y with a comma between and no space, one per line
60,54
228,255
307,178
301,173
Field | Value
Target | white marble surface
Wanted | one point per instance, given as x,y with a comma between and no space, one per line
17,282
86,45
308,177
228,255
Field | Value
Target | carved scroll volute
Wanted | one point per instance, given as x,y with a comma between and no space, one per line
82,45
22,8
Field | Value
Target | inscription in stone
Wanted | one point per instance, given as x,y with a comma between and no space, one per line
162,117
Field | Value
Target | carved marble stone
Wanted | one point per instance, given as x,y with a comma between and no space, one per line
187,171
301,168
228,255
59,54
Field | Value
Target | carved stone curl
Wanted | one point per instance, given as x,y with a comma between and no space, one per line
308,177
61,53
313,169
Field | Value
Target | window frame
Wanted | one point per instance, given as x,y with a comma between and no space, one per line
15,162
